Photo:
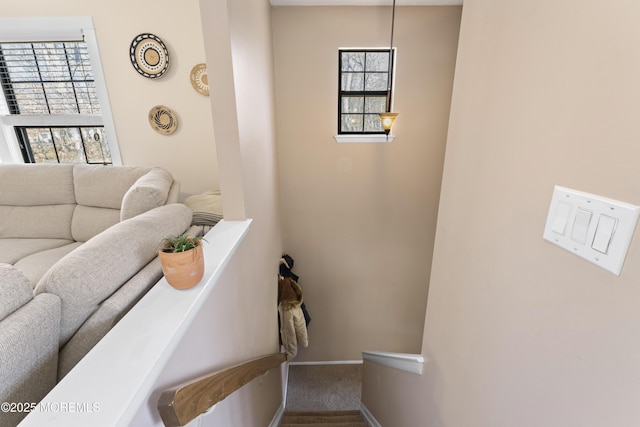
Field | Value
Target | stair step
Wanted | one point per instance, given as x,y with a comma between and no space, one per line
323,418
353,413
319,419
357,424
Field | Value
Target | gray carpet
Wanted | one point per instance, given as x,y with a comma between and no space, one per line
324,387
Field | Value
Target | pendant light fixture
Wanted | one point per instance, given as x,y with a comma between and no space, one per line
388,117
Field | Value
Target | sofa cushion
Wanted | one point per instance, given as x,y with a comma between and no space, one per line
35,265
88,275
36,200
14,249
36,184
46,222
15,290
149,191
104,186
88,221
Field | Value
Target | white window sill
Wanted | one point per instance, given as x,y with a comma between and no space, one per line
372,138
403,361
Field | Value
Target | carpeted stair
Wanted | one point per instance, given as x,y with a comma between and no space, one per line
323,419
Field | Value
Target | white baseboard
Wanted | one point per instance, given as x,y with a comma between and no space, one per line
284,375
275,422
328,362
368,416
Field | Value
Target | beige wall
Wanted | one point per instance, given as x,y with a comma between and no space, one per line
396,398
189,153
518,331
359,219
242,99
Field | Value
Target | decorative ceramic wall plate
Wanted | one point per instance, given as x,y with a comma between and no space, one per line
149,56
200,79
163,120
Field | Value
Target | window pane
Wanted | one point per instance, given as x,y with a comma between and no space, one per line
372,123
352,61
376,81
41,144
61,98
351,123
353,81
378,61
96,145
375,104
353,104
63,71
87,98
52,60
20,62
69,145
30,98
78,58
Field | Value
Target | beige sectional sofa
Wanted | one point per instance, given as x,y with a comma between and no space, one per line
77,250
47,210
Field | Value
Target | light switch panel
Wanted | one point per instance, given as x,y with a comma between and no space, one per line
593,227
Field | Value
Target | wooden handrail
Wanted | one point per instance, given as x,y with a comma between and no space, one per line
181,404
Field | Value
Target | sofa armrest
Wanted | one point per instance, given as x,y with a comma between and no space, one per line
111,311
107,315
150,191
174,192
29,354
88,275
15,290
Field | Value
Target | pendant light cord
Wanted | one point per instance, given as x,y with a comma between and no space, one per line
393,20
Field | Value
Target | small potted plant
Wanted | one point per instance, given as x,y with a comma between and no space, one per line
182,261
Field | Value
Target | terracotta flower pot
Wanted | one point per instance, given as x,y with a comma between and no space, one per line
183,270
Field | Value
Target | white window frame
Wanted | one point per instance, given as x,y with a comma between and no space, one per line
60,29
